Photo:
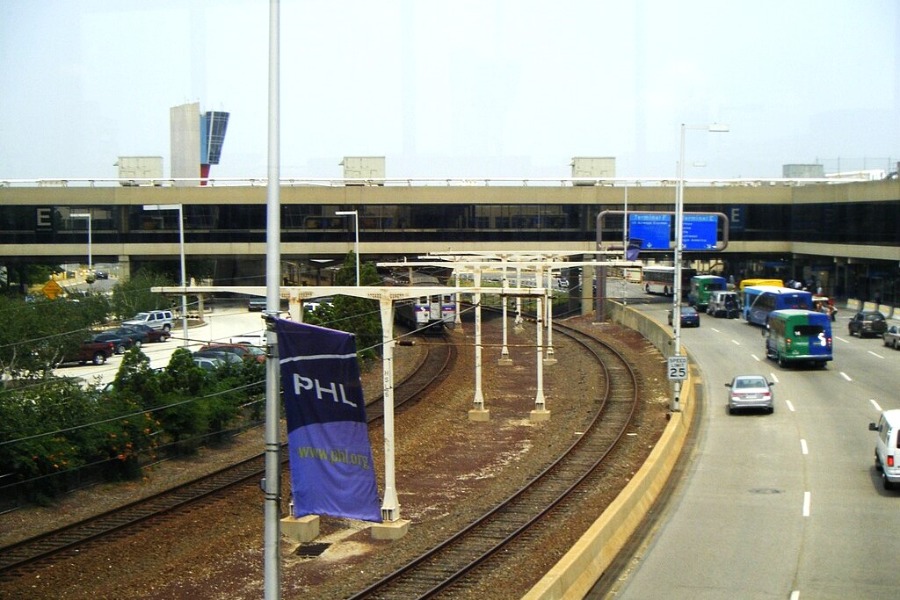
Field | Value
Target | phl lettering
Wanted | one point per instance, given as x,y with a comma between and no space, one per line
336,392
335,456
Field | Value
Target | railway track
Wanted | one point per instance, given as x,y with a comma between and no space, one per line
456,567
29,555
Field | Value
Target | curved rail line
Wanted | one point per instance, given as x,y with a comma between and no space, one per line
453,567
27,555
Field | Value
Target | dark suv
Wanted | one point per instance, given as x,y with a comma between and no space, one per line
867,323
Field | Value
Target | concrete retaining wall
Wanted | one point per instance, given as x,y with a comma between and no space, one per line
588,559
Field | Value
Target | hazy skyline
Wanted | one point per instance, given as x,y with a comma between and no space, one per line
461,89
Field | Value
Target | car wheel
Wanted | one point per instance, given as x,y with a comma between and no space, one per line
771,410
137,343
167,327
99,358
884,481
120,349
164,337
730,410
781,362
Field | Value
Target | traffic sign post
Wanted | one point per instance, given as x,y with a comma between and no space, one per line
677,368
677,372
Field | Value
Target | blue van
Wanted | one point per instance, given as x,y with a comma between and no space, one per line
796,335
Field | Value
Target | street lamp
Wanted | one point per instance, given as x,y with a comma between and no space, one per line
355,214
86,215
679,242
180,209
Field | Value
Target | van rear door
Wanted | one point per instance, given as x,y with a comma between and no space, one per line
811,340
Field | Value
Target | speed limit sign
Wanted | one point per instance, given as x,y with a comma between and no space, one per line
677,367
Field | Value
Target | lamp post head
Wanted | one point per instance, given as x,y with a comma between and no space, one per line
718,128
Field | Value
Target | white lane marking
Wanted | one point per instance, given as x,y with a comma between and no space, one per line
790,405
716,330
795,595
803,447
875,354
845,376
875,404
774,377
735,342
806,501
755,357
841,339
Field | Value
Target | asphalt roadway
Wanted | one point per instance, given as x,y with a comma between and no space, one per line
786,505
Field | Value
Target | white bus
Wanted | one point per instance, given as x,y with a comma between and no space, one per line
661,280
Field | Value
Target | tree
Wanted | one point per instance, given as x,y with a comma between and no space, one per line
36,334
134,295
359,316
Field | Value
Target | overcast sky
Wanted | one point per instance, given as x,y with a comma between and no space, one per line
472,88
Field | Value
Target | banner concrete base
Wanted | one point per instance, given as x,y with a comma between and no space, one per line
300,529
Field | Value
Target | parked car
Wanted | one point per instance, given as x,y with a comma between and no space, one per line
892,337
245,351
121,344
689,317
157,319
867,323
750,391
153,335
887,452
220,355
138,338
90,351
101,275
208,363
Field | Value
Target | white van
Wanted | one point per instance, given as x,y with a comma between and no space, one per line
157,319
723,304
887,452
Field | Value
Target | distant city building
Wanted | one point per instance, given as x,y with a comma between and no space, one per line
363,167
196,141
592,167
802,171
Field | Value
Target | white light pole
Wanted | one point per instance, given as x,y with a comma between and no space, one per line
355,214
180,209
87,215
679,243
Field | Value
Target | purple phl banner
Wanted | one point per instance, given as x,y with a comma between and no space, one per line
332,471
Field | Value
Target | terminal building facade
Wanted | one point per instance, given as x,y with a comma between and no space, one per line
842,236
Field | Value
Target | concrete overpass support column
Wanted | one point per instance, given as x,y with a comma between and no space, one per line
587,289
124,267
